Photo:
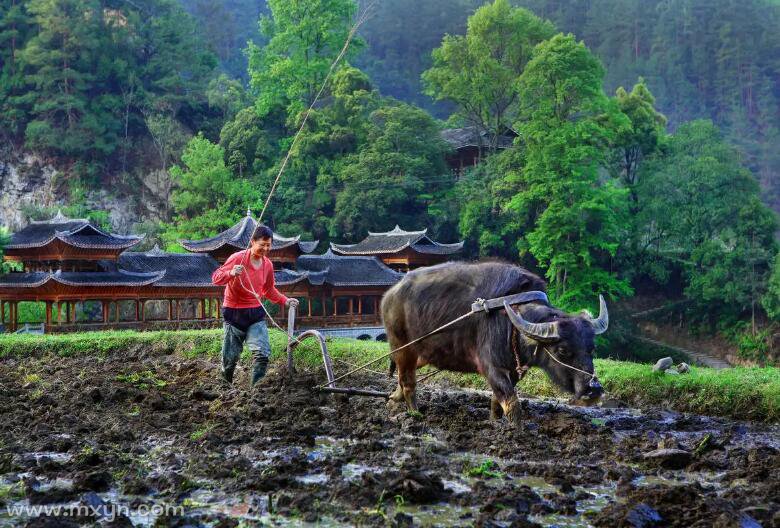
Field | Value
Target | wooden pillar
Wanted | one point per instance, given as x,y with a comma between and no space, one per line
73,311
143,310
202,308
308,303
59,312
118,315
14,314
170,310
137,310
351,305
360,305
335,305
2,312
67,312
219,309
178,310
105,311
48,313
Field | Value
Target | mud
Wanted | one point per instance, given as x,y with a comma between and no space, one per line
124,436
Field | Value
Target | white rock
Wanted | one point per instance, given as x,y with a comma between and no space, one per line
682,368
663,364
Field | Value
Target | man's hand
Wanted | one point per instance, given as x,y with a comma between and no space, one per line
291,302
237,270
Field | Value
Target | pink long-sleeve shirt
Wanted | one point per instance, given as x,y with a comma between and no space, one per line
262,279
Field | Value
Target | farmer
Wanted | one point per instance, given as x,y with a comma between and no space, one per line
248,275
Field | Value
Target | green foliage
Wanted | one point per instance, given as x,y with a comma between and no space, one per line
5,238
478,71
771,300
566,122
81,74
207,198
701,215
304,39
487,469
391,178
642,139
142,380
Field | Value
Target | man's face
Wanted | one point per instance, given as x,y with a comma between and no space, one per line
261,247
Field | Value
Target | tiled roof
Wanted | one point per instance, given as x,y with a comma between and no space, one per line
79,278
471,137
395,241
181,269
75,232
238,237
338,270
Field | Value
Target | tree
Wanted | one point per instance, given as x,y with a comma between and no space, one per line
63,67
305,37
206,198
478,71
702,214
390,179
15,31
641,139
771,300
566,123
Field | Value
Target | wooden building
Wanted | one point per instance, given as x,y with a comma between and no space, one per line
284,250
69,263
337,290
400,250
469,146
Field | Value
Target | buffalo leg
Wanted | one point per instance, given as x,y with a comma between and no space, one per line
504,393
496,412
398,394
407,378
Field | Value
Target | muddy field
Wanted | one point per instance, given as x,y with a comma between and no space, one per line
126,433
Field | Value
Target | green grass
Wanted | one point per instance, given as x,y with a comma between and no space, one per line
740,392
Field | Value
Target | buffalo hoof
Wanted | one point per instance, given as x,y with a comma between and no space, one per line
514,415
397,395
395,407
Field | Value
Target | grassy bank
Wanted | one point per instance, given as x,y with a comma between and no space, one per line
744,393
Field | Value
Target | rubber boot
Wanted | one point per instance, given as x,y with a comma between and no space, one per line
259,370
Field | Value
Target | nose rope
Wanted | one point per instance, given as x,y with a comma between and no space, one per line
592,375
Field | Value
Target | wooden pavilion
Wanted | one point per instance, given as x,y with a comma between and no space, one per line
68,263
338,290
87,280
401,250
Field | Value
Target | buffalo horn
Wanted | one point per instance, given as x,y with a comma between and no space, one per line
538,331
601,323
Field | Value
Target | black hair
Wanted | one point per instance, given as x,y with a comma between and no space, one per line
262,231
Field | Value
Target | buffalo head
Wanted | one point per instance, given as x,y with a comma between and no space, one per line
562,345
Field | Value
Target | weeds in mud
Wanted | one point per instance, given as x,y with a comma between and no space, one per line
201,432
487,469
31,379
142,380
10,492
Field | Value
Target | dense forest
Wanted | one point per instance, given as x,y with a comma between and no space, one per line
646,130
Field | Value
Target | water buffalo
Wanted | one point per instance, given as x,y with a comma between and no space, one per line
495,344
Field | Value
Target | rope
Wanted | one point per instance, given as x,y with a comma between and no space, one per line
362,17
383,356
591,374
